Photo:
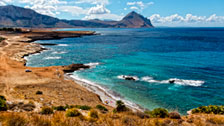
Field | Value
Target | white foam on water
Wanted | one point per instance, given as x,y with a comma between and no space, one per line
195,83
58,52
56,57
62,44
92,65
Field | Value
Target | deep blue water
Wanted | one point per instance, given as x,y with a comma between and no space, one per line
194,57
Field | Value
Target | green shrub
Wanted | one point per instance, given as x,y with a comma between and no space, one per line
101,108
73,112
3,105
211,109
60,108
159,113
83,107
46,111
93,114
39,93
2,97
1,39
120,106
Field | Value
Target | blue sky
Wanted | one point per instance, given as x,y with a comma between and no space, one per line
202,13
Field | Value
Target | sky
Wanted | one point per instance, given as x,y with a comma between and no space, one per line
171,13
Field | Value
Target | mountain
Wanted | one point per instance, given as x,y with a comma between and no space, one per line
134,20
13,16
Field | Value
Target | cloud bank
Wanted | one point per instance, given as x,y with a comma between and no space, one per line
189,19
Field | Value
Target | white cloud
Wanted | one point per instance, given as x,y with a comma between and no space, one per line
47,7
215,18
176,19
74,10
5,2
98,9
139,5
103,16
134,8
104,2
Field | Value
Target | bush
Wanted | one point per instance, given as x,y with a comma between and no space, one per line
101,108
1,39
39,93
3,105
211,109
120,106
174,115
46,111
59,108
72,112
2,97
159,113
83,107
93,114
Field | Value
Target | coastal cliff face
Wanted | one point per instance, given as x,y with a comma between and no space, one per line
13,16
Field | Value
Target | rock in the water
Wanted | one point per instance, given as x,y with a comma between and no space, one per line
74,67
171,81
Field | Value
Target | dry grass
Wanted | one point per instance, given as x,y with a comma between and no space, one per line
109,119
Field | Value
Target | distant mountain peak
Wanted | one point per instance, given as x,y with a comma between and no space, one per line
14,16
135,20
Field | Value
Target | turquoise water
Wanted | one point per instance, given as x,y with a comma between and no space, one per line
193,57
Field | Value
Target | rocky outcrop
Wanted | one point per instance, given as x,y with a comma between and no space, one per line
74,67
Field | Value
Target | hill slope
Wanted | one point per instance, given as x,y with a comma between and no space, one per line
9,17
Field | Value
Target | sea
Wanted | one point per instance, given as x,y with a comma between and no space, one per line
174,68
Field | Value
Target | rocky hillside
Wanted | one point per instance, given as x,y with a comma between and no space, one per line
13,16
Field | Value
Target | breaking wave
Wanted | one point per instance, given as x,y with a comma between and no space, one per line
195,83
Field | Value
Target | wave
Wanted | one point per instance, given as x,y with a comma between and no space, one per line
58,52
195,83
177,81
62,44
52,58
92,65
103,91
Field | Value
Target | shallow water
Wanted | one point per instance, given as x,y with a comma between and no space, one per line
193,57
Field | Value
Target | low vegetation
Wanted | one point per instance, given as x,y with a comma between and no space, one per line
46,111
211,109
59,108
158,113
73,112
120,107
72,115
93,114
39,93
101,108
1,39
11,29
3,105
83,107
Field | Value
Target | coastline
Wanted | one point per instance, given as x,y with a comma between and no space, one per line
107,96
20,86
100,93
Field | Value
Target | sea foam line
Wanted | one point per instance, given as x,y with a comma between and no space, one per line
51,57
104,93
149,79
